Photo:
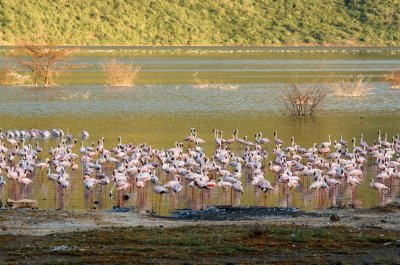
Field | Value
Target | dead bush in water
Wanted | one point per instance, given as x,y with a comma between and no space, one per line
303,101
119,73
394,79
353,86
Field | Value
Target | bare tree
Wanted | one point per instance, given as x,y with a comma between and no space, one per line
44,61
119,73
303,101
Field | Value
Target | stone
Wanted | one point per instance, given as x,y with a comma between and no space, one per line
25,203
334,218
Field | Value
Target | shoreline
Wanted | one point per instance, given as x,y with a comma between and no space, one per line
46,222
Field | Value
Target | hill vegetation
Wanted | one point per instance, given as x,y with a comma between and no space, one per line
206,22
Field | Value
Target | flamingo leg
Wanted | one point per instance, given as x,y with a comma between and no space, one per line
55,193
119,198
231,197
209,197
193,198
224,192
315,199
293,198
62,198
159,205
122,198
379,198
202,199
265,198
287,196
90,199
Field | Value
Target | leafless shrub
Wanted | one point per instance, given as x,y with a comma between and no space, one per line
119,73
353,86
302,101
394,79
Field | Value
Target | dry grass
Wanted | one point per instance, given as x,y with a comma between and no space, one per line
303,101
353,86
120,74
394,79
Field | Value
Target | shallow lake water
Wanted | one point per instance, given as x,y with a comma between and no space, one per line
206,88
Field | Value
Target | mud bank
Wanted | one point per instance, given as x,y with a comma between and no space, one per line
45,222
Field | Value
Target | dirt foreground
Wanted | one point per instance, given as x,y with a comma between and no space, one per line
72,237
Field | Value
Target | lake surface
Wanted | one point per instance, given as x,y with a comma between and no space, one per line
206,88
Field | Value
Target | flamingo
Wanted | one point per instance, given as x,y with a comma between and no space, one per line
85,134
353,181
380,187
237,186
319,185
158,189
261,140
238,139
43,165
230,140
277,140
274,168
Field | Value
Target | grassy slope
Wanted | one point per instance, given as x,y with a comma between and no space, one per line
206,22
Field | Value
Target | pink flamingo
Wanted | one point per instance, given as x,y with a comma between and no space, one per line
353,181
158,189
89,184
333,184
225,185
24,181
122,187
319,185
380,187
211,184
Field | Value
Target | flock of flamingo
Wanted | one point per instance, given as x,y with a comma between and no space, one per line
321,168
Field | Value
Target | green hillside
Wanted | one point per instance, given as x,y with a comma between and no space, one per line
202,22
